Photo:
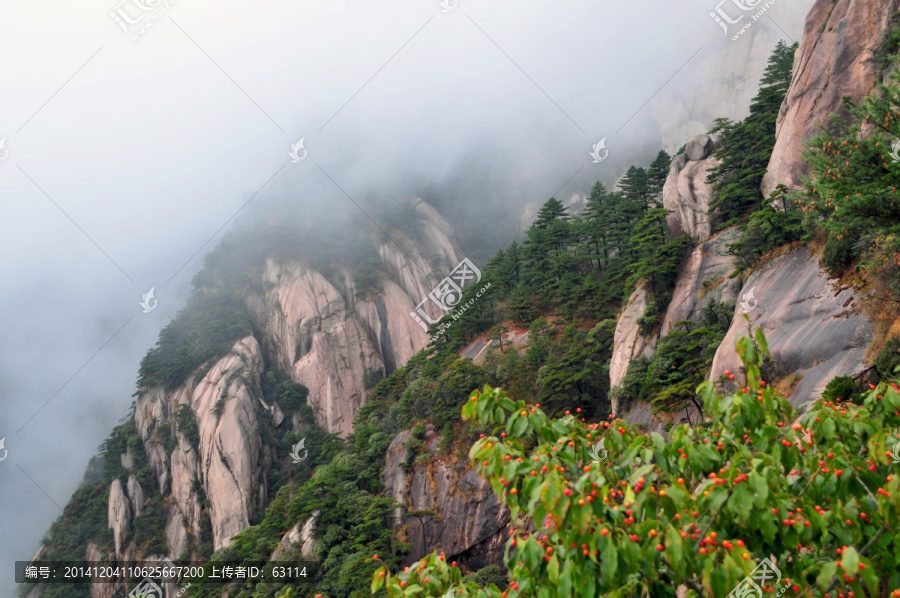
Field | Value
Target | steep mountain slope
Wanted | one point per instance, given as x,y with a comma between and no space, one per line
291,410
816,326
835,59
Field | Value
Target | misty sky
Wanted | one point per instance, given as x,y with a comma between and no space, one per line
126,158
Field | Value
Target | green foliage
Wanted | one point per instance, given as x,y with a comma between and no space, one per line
668,379
187,426
290,396
840,388
838,252
765,230
888,360
575,371
747,145
203,331
700,508
887,54
492,574
852,186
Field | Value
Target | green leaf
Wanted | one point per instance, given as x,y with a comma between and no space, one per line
553,570
608,562
850,561
565,583
761,340
377,580
674,550
760,489
825,574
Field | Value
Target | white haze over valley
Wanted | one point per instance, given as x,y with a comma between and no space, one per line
127,158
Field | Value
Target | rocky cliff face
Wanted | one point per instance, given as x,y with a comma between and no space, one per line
205,439
833,61
454,509
813,325
334,340
225,461
628,342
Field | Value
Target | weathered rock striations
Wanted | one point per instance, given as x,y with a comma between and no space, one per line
813,325
833,61
704,278
686,192
628,342
464,517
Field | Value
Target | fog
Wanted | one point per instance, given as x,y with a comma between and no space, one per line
128,159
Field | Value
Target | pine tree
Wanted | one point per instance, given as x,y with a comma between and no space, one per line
656,176
747,145
635,186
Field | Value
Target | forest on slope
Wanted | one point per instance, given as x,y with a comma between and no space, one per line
564,283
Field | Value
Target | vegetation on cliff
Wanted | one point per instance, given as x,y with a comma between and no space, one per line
622,513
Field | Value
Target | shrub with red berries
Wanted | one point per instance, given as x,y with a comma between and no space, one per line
816,493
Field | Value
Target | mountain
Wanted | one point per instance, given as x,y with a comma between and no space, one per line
615,303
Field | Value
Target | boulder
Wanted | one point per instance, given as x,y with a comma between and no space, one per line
136,495
686,193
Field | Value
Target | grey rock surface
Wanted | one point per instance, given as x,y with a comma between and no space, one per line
813,325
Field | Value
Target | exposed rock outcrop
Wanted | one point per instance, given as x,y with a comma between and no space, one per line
136,494
704,278
813,325
119,515
629,343
477,350
230,444
686,192
94,554
328,334
464,518
333,337
833,61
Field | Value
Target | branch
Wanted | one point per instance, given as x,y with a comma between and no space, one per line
688,581
862,551
721,506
